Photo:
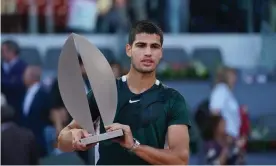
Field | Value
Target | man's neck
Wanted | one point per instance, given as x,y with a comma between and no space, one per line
140,82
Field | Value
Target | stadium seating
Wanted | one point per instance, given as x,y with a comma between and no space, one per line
31,55
109,54
175,55
51,59
210,57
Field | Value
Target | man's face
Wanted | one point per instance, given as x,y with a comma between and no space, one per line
145,52
27,76
5,53
232,78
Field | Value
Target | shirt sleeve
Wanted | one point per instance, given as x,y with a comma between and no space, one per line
218,98
93,106
178,114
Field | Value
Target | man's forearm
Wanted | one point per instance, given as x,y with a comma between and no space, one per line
162,156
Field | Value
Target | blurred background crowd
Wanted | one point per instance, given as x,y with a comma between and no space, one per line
113,16
220,55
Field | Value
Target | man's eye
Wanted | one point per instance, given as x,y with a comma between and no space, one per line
140,45
155,46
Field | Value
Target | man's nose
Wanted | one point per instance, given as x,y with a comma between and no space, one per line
148,51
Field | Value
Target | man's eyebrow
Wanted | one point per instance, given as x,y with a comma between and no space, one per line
156,44
140,42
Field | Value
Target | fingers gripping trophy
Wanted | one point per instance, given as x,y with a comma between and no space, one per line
102,82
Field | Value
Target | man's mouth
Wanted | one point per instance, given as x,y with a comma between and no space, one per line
147,62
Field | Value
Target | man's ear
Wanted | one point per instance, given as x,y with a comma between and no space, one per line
128,50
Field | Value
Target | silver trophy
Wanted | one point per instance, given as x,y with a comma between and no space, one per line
102,81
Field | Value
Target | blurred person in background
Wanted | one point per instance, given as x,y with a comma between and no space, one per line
217,150
35,106
223,101
177,16
12,69
104,8
117,70
8,6
10,18
113,16
3,99
82,16
155,12
59,116
139,9
244,133
18,145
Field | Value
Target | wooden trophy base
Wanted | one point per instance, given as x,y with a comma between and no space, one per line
101,137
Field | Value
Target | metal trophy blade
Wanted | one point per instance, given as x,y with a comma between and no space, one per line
102,81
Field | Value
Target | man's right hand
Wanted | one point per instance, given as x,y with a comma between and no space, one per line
78,134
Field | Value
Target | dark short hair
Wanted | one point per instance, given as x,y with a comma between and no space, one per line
211,127
144,26
12,46
7,113
222,74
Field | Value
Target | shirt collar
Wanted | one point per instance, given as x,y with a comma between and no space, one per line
34,87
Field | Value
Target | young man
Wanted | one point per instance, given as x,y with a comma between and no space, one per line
150,114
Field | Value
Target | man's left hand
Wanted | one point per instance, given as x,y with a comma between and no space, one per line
127,140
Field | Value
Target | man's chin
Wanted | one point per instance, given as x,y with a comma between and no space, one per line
147,71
